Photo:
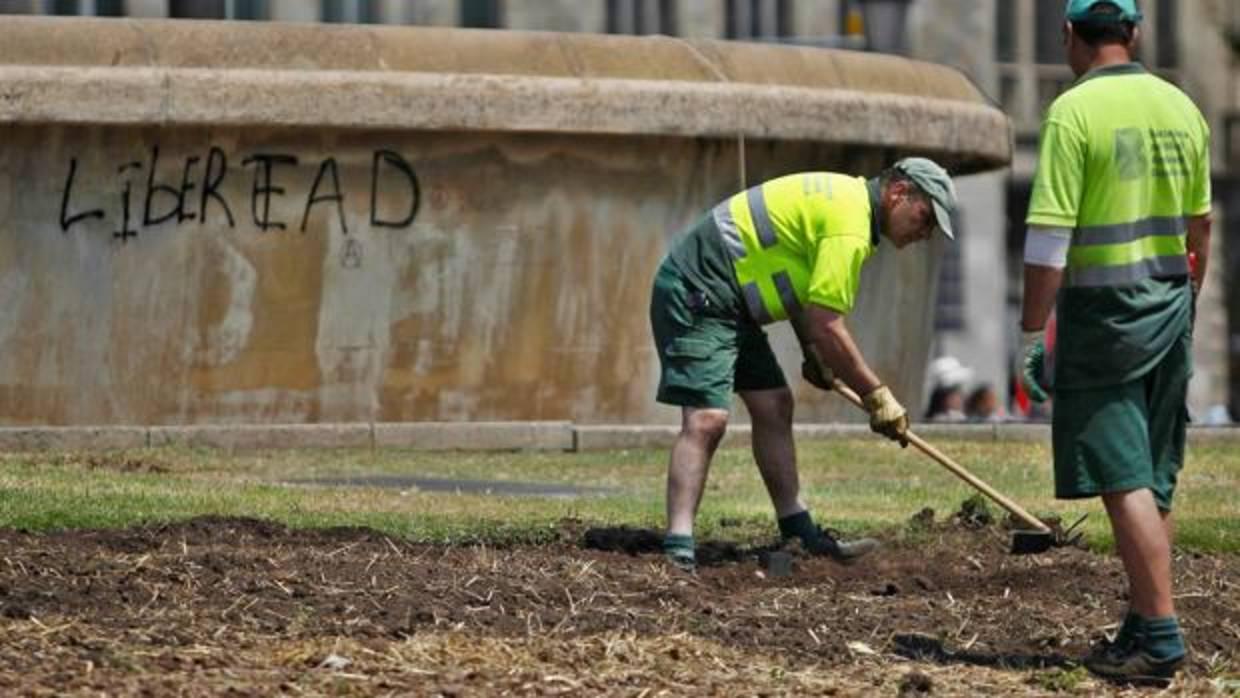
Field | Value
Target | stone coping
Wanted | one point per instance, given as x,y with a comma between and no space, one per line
198,73
476,436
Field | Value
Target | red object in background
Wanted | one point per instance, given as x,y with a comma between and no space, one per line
1192,264
1021,398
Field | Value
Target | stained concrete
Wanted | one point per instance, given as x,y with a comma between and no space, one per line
209,223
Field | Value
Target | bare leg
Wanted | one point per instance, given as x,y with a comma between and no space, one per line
1168,526
1145,548
770,412
700,432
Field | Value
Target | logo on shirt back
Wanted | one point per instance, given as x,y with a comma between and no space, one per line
1130,158
1170,152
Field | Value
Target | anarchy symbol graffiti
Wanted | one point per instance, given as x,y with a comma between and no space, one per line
351,258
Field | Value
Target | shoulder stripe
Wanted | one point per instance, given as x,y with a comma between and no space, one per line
761,219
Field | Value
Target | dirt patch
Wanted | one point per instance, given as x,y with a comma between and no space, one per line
226,605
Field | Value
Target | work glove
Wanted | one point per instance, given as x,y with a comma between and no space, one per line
1032,368
816,374
887,416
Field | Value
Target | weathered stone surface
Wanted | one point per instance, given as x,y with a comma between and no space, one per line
179,73
279,224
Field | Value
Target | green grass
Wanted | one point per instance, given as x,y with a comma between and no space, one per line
855,485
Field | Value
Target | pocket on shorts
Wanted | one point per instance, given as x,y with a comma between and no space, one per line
685,348
694,366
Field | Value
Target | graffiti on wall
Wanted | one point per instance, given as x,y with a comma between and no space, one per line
142,199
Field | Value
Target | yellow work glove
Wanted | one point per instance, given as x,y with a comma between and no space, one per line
887,416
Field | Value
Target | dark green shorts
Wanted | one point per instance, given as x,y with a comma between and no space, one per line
1124,437
704,354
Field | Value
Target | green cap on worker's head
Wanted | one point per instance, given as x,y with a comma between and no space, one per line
937,184
1091,11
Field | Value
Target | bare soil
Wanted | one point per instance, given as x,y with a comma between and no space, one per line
227,606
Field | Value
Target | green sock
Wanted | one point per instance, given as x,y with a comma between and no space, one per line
679,545
1127,634
1161,638
799,525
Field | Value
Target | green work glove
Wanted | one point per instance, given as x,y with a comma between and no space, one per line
816,374
1033,365
887,416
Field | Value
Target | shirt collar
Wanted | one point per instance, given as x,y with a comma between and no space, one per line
874,186
1133,68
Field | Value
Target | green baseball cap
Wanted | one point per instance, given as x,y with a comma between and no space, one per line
937,184
1083,11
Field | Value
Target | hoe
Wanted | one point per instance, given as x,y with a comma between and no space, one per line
1037,539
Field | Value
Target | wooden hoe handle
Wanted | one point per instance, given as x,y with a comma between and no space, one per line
951,465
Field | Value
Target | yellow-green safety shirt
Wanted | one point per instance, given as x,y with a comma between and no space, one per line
802,238
1123,162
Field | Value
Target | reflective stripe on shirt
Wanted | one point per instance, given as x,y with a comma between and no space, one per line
1127,274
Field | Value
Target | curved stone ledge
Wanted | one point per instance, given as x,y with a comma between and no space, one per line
194,97
142,72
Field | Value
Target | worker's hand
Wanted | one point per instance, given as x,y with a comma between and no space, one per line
816,374
887,416
1032,366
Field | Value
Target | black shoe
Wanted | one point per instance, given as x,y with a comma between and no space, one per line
681,561
1127,664
842,551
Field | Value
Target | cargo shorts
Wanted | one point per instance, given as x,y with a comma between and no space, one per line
1127,436
704,353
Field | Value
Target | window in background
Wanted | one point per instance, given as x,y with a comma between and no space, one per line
1048,43
350,11
757,19
949,300
484,14
249,9
641,17
96,8
197,9
1166,28
1005,32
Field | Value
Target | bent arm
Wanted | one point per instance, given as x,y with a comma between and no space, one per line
830,338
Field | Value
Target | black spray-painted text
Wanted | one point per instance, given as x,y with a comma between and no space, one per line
199,196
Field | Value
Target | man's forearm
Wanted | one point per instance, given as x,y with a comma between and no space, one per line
1199,245
1041,287
830,338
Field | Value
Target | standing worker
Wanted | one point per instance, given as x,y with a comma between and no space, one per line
791,248
1121,196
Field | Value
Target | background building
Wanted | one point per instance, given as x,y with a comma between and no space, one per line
1012,49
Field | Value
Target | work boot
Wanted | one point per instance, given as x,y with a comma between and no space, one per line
1148,655
845,552
820,541
1132,665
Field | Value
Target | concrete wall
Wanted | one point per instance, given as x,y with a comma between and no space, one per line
189,240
